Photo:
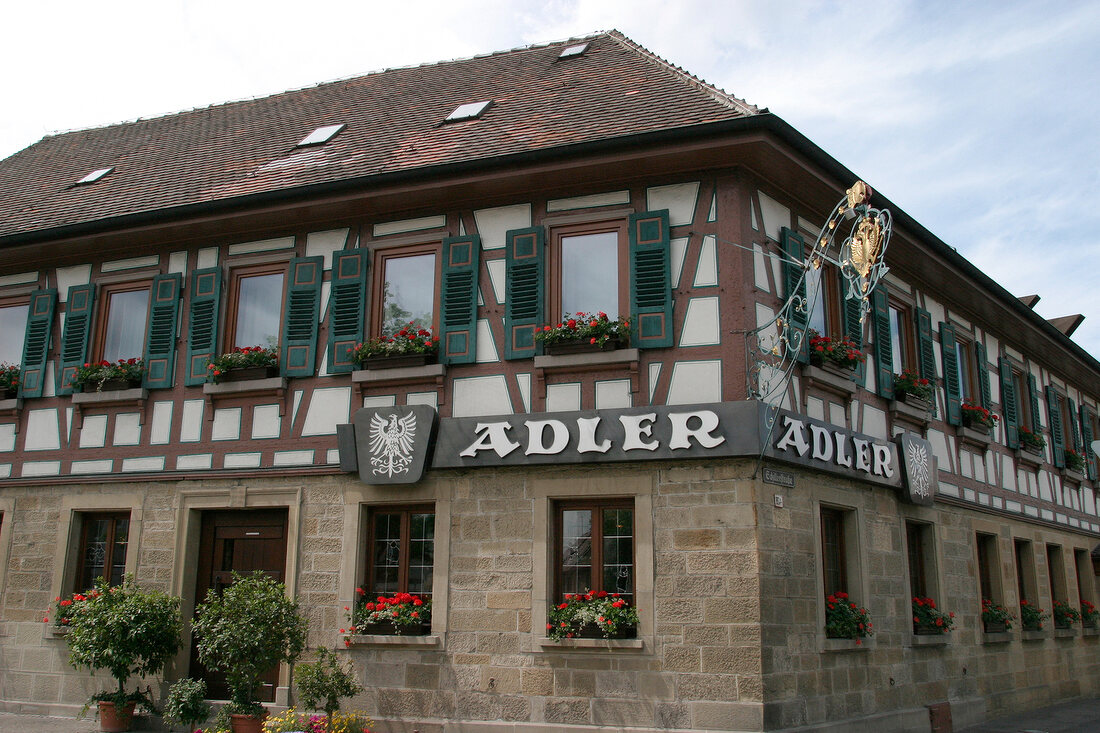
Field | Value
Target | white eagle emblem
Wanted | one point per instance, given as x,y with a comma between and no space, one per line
920,478
391,443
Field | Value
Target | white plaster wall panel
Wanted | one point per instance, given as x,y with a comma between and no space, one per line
1046,491
130,264
161,428
677,250
207,257
809,227
712,215
103,466
947,489
328,408
593,200
480,297
613,394
764,315
523,381
195,462
477,396
896,284
5,470
752,215
701,327
991,467
493,224
998,503
94,432
759,268
326,289
679,198
838,415
935,310
1008,474
1009,351
695,381
486,344
461,227
563,397
968,494
266,422
296,402
42,430
293,458
410,225
191,421
706,271
227,424
498,270
383,400
177,262
1031,511
777,275
136,465
983,498
1013,506
869,381
41,468
263,245
127,429
19,278
332,456
7,437
774,214
324,244
960,321
654,378
966,464
423,398
69,276
874,422
242,460
68,423
939,447
815,408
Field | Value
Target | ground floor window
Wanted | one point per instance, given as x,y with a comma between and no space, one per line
594,548
834,554
400,550
102,551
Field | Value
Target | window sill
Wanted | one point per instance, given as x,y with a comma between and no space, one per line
930,639
56,632
849,645
11,408
1070,633
978,438
608,644
426,374
841,382
134,395
914,413
996,637
248,388
587,360
1030,635
1094,631
1074,476
394,640
1027,458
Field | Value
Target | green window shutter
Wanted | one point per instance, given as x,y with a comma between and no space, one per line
884,352
347,307
298,345
650,280
458,318
926,352
36,344
1009,409
951,374
524,291
160,338
793,282
75,335
1033,401
1088,437
1057,436
202,325
1074,430
983,374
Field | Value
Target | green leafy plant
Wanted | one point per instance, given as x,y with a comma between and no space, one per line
1074,460
125,630
912,384
410,339
1029,439
1090,615
242,357
186,703
608,612
64,608
841,352
1065,615
323,683
9,377
1031,616
846,620
976,416
402,611
91,376
927,617
246,630
596,329
994,614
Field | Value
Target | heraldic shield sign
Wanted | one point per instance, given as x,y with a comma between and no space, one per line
393,444
919,467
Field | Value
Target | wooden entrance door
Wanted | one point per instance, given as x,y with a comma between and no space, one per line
241,541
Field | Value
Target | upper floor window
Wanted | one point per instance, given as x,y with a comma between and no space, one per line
902,351
590,270
13,328
965,367
123,315
823,296
406,288
1024,399
256,306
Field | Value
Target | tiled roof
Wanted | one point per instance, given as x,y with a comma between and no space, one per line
394,124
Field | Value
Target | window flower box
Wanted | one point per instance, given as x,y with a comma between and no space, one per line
1065,615
398,615
397,361
846,620
583,332
592,615
1031,442
927,619
995,617
104,376
976,417
911,388
1074,461
579,346
1090,615
1032,617
246,374
244,363
9,381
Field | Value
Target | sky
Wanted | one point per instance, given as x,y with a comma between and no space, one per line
980,119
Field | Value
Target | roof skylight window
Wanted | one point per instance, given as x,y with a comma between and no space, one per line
321,135
94,176
468,111
573,51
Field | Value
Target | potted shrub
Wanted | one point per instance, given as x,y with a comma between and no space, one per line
846,620
127,631
103,376
9,380
592,615
995,617
1031,616
1074,461
410,346
927,619
838,353
244,631
1065,615
401,613
243,362
976,417
1090,615
911,387
580,332
186,703
1031,442
323,683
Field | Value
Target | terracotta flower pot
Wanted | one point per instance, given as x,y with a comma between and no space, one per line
246,723
113,719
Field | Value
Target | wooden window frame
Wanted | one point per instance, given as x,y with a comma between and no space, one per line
103,314
832,300
830,518
1024,418
15,302
596,506
243,272
406,511
558,233
378,280
917,550
906,336
989,579
1056,574
86,519
968,376
1023,555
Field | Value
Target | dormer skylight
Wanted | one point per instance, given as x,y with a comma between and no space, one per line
321,135
573,51
94,176
468,111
